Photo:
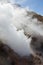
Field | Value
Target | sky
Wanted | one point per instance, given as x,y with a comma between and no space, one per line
35,5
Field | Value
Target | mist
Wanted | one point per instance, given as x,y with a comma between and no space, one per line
13,23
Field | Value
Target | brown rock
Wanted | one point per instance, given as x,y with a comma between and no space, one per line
39,17
9,57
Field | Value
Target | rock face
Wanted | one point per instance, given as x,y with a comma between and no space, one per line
35,15
8,57
39,17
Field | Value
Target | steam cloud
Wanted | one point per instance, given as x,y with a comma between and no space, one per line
13,23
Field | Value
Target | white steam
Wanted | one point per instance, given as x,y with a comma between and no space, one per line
13,23
8,32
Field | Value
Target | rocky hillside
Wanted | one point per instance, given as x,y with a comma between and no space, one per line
9,57
39,17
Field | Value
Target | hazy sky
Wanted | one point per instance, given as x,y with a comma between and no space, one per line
36,5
